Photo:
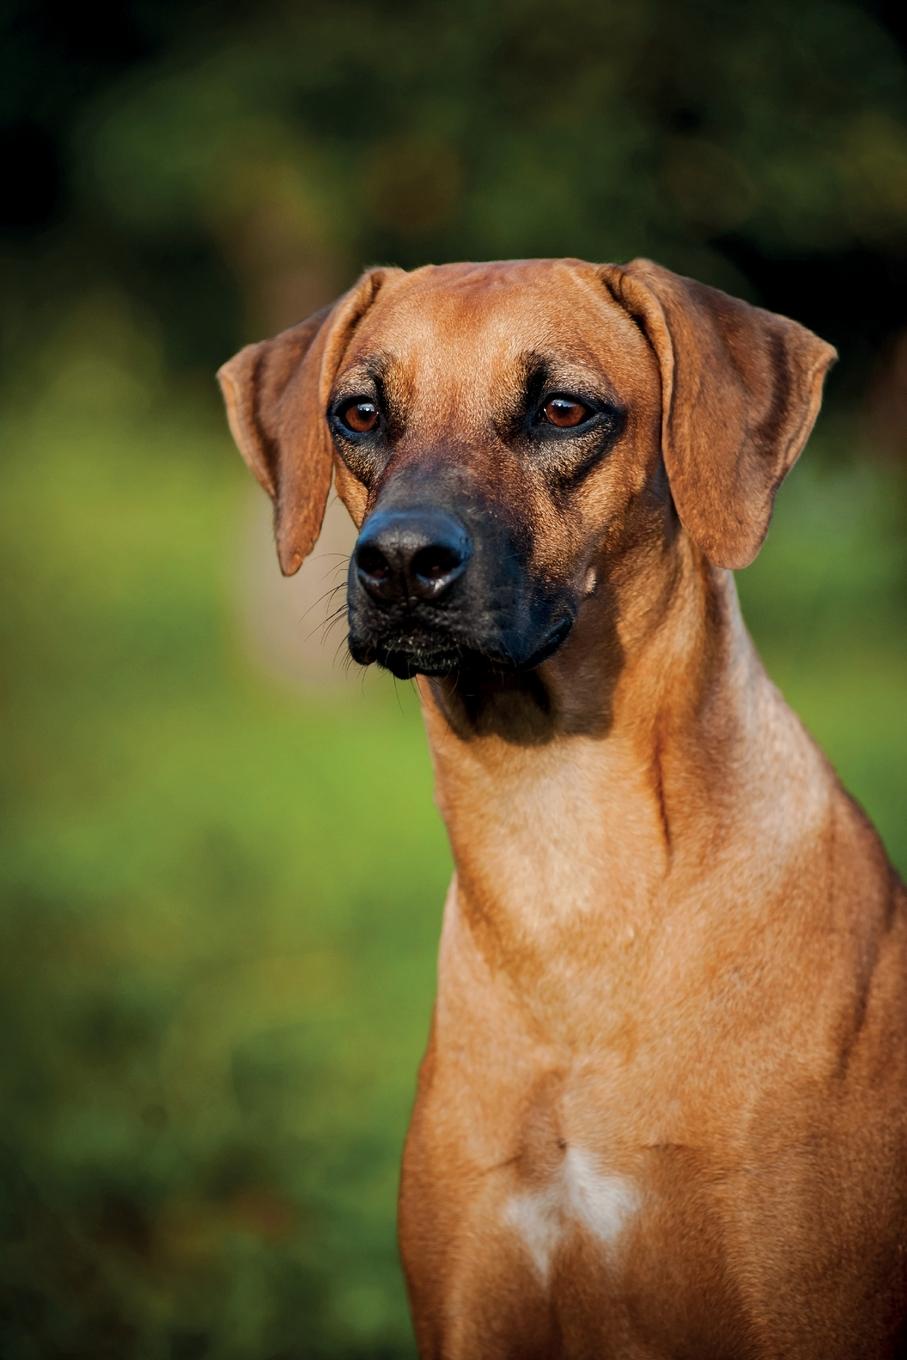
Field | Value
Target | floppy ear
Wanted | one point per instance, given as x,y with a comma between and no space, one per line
740,390
276,394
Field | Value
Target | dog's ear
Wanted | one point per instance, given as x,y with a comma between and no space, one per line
276,394
740,391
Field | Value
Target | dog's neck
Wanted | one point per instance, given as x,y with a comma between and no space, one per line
589,805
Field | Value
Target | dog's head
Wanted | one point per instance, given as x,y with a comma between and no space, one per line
508,437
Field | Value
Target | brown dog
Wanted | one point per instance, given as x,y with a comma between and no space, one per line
663,1108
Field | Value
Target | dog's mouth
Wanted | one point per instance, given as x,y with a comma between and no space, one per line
420,652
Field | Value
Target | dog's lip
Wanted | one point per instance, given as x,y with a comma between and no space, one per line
406,659
553,641
447,657
404,664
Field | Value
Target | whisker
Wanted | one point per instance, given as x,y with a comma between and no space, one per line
331,591
328,624
343,661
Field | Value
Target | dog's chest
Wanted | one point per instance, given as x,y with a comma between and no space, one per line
580,1196
572,1214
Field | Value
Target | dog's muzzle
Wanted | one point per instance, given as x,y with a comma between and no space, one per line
433,594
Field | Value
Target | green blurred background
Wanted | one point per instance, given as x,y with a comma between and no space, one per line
222,869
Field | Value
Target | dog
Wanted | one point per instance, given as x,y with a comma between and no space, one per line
663,1108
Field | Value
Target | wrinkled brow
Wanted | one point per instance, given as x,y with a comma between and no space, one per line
535,371
369,370
518,390
565,370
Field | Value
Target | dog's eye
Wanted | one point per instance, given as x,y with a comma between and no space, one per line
565,412
358,415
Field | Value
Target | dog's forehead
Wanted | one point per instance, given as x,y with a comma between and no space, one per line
452,320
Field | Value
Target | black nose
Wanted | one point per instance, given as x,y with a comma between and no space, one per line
411,554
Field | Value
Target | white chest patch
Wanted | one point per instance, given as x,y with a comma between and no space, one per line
578,1194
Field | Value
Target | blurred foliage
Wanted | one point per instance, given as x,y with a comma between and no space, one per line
231,166
222,894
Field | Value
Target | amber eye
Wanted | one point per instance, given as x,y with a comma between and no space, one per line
565,412
358,415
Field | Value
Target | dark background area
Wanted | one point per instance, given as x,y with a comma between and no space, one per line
222,872
194,155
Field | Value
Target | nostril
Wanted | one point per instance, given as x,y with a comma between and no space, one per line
407,556
372,562
436,563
